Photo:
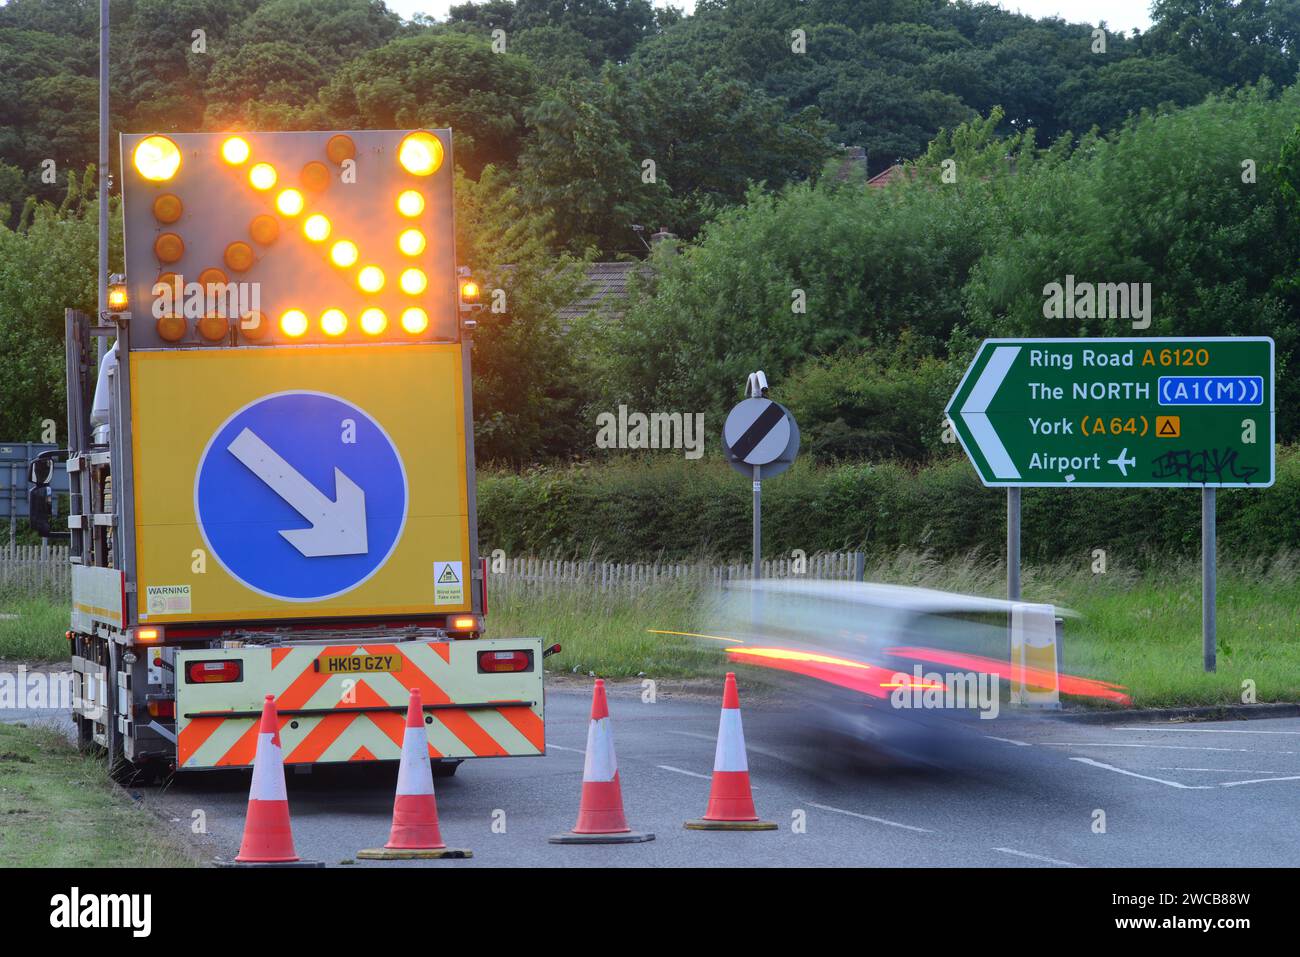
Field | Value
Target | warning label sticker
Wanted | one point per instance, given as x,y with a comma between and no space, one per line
167,599
448,583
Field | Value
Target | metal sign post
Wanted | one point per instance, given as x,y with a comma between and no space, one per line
1209,573
760,439
1013,543
1013,560
102,286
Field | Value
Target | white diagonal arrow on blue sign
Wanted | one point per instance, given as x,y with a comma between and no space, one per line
338,527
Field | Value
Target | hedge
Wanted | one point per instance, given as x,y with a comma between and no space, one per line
638,509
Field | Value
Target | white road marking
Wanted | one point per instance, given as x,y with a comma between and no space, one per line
1144,777
868,817
560,747
1233,784
693,774
748,747
1209,730
1167,747
1220,770
1019,744
1036,857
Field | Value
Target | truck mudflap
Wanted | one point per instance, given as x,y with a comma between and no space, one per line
342,703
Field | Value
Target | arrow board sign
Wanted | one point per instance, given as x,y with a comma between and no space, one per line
301,496
1119,412
760,432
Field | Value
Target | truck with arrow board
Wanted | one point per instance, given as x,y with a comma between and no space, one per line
272,464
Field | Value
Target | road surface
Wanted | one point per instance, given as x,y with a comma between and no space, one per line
1029,793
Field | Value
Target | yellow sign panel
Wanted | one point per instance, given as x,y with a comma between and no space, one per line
321,481
1169,426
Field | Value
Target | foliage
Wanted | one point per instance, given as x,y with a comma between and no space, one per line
857,405
527,385
1068,159
940,263
45,267
637,509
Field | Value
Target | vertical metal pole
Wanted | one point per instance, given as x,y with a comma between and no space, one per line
757,571
103,171
1209,574
1013,574
1013,543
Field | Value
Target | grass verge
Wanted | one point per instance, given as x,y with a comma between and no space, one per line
1140,626
31,629
608,632
60,810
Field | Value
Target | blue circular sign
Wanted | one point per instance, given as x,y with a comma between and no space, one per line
301,496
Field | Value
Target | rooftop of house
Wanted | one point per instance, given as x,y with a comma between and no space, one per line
607,289
885,177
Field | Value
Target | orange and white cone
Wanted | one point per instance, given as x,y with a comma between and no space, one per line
600,812
268,838
415,832
731,803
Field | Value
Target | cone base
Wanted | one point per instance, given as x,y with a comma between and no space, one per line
704,824
221,863
623,837
413,854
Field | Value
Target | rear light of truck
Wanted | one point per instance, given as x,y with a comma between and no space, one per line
214,672
162,709
464,623
148,636
490,662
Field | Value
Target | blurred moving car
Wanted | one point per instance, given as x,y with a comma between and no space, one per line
890,671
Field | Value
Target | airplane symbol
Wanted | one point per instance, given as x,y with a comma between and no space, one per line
1123,463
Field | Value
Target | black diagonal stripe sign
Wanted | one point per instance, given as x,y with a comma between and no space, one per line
757,431
765,423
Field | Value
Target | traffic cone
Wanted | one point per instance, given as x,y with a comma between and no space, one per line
731,804
415,831
268,839
600,813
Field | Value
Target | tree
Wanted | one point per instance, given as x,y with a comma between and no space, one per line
560,52
1229,42
710,136
528,385
579,165
262,74
438,79
330,31
160,65
1107,96
612,27
46,267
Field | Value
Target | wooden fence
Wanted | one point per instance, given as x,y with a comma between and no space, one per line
35,570
39,570
614,576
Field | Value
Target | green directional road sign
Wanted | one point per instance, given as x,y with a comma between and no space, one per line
1127,412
